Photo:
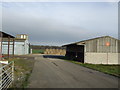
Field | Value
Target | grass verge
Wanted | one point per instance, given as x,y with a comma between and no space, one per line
23,69
108,69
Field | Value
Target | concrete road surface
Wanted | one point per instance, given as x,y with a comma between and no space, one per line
56,73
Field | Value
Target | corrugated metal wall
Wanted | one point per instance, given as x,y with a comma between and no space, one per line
21,48
99,45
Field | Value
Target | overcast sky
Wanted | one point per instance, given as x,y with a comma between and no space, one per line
60,23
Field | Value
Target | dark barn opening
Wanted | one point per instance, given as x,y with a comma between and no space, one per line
75,52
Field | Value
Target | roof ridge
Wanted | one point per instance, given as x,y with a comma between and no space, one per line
92,39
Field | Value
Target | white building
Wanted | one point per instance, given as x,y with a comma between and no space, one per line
21,45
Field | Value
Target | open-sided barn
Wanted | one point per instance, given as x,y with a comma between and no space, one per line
101,50
21,45
9,38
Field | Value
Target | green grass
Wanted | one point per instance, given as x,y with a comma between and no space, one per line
22,71
37,51
108,69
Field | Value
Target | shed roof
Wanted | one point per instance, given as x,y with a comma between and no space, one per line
83,41
16,40
5,35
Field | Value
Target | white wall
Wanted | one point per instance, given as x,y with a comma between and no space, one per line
20,48
26,47
101,58
5,48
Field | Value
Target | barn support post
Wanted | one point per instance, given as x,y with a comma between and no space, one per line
0,59
13,46
8,47
0,46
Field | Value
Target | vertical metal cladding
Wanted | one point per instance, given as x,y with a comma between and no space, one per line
102,45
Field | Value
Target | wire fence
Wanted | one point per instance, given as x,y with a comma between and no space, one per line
6,75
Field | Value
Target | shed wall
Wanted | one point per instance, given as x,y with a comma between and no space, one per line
102,58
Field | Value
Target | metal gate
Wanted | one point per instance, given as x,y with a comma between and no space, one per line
6,75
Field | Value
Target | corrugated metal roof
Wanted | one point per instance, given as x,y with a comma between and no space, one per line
83,41
5,35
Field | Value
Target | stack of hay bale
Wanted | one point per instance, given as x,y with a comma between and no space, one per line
55,51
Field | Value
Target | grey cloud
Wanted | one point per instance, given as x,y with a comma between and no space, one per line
49,30
41,29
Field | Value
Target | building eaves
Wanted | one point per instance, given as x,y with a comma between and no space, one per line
6,35
83,41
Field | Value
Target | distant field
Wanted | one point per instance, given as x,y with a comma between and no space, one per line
38,51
